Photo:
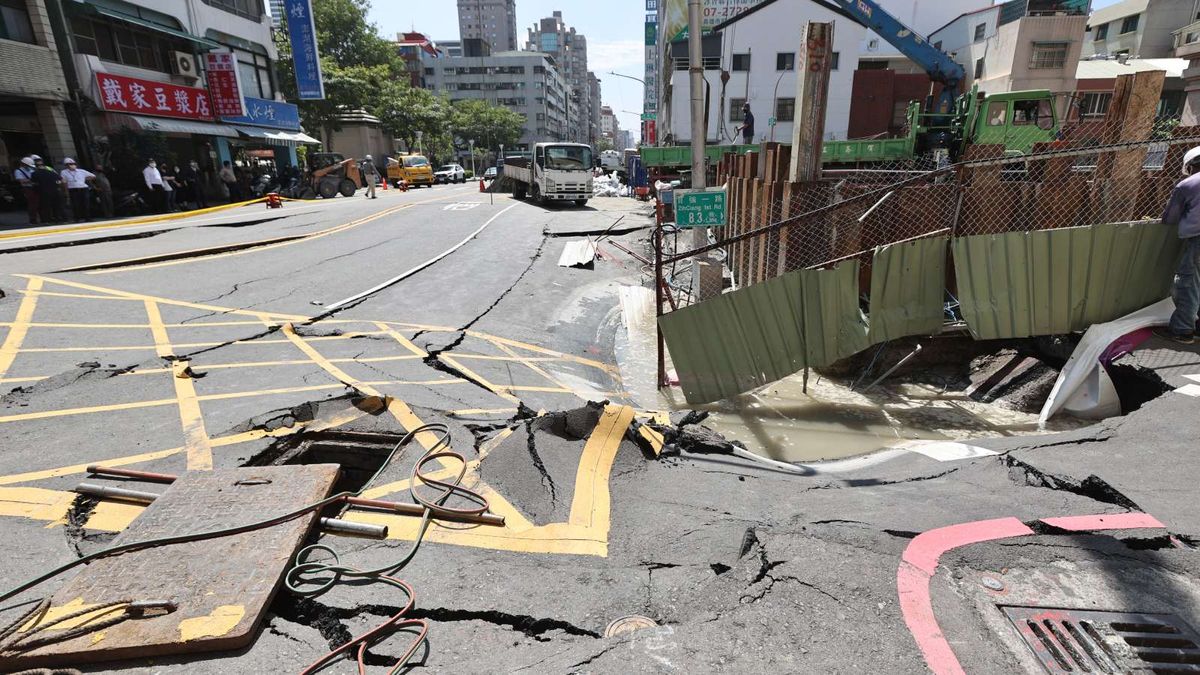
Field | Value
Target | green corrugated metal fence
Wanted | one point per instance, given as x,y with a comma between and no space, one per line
742,340
1050,282
908,289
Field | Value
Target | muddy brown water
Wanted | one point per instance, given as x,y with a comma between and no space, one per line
832,421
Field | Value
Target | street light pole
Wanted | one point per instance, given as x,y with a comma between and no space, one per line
472,144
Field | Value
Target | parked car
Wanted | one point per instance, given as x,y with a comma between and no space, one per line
450,173
490,173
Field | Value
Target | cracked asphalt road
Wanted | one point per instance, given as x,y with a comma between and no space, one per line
743,567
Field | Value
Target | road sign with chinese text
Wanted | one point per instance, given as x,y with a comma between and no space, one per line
700,208
302,32
224,86
118,93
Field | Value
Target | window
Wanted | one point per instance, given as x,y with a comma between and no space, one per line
14,21
1130,24
997,113
1035,112
872,65
980,29
735,109
1094,104
785,110
835,60
938,45
247,9
978,68
785,61
1101,32
1048,55
119,42
741,62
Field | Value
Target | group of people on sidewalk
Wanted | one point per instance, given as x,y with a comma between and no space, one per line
172,188
48,192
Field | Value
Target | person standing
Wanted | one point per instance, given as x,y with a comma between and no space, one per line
48,184
1183,211
104,192
190,189
154,185
24,175
370,175
747,127
170,187
78,190
229,178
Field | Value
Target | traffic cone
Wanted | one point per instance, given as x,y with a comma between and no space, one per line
481,185
385,182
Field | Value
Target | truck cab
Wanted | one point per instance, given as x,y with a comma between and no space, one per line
554,172
1015,119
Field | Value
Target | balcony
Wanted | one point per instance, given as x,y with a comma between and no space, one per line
1187,41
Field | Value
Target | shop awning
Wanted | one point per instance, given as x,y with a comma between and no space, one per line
276,136
88,8
172,126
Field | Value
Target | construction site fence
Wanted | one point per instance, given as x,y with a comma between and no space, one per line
1005,244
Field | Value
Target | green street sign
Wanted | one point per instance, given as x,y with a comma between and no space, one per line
700,208
646,117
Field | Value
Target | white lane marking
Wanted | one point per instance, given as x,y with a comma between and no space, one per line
1190,390
946,451
460,206
408,273
1193,378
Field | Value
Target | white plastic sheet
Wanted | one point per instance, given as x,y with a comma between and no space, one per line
608,185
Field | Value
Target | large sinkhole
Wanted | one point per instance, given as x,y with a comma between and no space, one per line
360,454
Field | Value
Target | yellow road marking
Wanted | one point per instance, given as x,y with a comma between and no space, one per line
221,366
125,223
192,345
251,247
480,379
199,451
20,327
404,342
590,505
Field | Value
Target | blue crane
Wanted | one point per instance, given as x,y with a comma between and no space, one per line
936,63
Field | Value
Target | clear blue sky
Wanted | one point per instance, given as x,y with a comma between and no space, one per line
613,28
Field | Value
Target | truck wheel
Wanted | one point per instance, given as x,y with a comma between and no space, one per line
519,191
307,193
327,188
580,202
347,187
536,194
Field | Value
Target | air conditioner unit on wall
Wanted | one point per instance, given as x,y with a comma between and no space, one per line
184,65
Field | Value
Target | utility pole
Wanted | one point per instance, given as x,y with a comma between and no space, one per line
702,267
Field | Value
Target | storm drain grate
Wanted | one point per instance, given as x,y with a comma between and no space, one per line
1085,641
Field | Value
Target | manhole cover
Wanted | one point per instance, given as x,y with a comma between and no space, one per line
628,624
1076,640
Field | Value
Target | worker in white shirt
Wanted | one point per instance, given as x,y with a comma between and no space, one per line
78,189
154,184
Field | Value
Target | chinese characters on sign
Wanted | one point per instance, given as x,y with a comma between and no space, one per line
145,97
303,35
220,69
700,208
265,113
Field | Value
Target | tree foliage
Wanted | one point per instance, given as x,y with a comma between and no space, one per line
363,70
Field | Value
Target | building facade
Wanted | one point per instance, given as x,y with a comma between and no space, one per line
1018,45
494,21
34,94
921,16
528,83
569,50
1140,29
418,53
760,51
1187,46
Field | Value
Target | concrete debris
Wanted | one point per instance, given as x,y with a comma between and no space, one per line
1011,379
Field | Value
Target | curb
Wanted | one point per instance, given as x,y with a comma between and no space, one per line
126,223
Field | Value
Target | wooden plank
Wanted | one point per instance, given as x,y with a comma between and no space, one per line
813,93
987,207
222,587
1130,118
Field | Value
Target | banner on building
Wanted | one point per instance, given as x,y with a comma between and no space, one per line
262,112
224,85
118,93
675,19
302,31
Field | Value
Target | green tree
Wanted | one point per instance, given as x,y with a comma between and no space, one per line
604,144
488,125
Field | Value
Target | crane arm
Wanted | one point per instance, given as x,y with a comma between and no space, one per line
936,63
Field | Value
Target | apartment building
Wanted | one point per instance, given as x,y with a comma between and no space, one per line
494,21
568,48
1140,29
526,82
34,95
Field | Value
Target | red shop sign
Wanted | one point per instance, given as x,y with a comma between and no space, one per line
220,69
146,97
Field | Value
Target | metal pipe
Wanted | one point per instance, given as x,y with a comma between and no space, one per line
658,304
130,473
891,370
874,206
350,527
406,509
112,492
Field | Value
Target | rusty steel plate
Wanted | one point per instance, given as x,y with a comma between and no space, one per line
222,587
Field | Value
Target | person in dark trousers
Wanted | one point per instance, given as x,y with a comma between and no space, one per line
170,187
104,192
229,178
1183,211
191,191
154,185
747,127
50,194
24,176
78,182
370,175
